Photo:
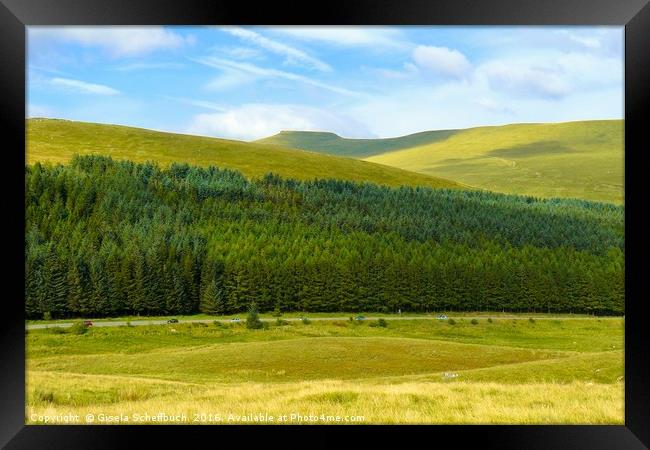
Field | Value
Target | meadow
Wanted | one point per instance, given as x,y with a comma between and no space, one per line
489,370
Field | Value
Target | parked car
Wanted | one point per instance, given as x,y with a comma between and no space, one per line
441,317
360,318
88,323
235,319
172,321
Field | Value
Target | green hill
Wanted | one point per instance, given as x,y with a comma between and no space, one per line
334,144
572,159
56,141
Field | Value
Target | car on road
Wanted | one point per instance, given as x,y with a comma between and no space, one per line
360,318
172,321
235,319
441,317
88,323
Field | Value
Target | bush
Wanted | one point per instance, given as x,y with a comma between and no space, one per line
351,319
277,312
306,321
129,324
382,323
531,320
217,324
253,321
474,322
280,322
489,319
44,396
47,315
78,328
373,324
199,324
451,322
56,330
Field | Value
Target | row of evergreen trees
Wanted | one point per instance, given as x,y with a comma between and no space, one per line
108,238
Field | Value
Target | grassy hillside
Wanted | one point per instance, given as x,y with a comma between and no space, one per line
58,140
333,144
573,159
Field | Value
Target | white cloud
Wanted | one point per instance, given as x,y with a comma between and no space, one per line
292,55
83,87
233,69
348,36
441,61
255,121
118,41
409,71
522,79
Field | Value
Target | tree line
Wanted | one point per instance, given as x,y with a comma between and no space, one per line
107,238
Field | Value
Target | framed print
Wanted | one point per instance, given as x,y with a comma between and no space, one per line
380,218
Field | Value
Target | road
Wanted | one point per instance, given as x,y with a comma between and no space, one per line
38,326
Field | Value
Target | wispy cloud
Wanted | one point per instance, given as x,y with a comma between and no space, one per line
199,103
348,36
260,72
148,66
83,87
118,41
292,55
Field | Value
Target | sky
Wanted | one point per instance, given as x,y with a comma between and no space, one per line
247,83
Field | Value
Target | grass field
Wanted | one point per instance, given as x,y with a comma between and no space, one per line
56,141
412,371
573,159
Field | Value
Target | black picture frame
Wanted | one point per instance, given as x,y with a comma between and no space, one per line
15,15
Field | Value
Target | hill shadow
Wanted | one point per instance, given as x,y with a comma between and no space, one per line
539,148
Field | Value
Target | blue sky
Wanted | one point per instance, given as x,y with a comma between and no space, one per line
251,82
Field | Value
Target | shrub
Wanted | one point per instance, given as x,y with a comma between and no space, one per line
277,312
47,315
199,324
474,322
56,330
451,322
382,323
351,319
217,324
531,320
253,321
78,328
306,321
489,319
280,322
129,324
373,324
43,396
